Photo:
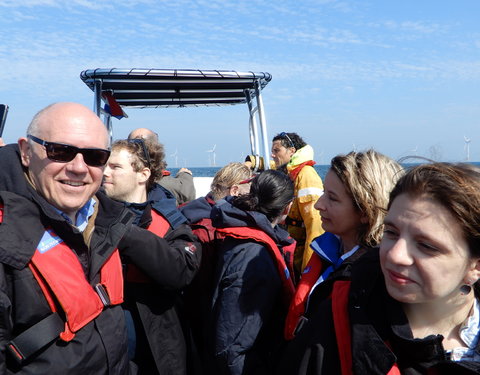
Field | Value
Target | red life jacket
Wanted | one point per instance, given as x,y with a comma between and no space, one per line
297,308
60,276
59,271
158,226
341,322
260,236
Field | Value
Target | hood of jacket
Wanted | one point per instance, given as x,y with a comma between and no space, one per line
225,215
302,155
198,209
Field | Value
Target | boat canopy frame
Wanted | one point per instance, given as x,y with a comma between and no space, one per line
166,88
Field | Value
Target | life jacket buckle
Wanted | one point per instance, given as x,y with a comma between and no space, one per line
103,294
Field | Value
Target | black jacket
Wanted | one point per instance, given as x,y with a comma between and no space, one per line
160,342
375,318
247,309
99,347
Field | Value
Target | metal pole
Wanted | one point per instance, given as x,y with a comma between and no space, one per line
263,125
254,143
97,97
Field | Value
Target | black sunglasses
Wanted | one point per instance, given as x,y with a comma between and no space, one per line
94,157
146,155
283,134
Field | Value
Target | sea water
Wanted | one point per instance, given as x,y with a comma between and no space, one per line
321,170
210,171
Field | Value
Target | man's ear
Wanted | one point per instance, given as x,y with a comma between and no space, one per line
25,151
144,174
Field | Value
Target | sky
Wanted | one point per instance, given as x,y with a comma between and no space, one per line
402,77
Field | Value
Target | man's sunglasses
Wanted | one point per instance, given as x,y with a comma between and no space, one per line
94,157
283,134
146,155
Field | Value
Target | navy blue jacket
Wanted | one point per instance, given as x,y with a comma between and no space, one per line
247,310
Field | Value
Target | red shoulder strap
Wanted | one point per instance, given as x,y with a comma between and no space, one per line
1,213
297,308
158,226
261,236
341,321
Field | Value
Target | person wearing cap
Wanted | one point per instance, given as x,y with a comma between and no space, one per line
61,281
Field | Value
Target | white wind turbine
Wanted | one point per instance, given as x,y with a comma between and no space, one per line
212,151
467,147
175,155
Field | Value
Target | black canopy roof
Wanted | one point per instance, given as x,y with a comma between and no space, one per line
175,87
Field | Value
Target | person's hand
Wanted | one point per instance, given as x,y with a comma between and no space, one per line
184,170
2,143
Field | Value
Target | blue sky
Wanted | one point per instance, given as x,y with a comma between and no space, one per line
402,77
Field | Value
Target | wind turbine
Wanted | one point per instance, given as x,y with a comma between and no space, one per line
414,150
212,151
175,155
467,147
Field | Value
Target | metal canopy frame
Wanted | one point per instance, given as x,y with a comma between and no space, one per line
166,88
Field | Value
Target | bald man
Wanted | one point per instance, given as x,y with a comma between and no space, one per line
61,282
181,186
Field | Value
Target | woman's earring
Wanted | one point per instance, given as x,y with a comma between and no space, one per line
465,289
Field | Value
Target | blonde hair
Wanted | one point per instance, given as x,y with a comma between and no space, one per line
368,177
225,178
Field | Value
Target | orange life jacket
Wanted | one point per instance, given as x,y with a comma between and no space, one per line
158,226
341,322
260,236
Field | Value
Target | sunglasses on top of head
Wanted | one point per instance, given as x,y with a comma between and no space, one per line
141,142
94,157
283,134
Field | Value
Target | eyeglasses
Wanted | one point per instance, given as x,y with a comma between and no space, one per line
283,134
247,181
94,157
146,155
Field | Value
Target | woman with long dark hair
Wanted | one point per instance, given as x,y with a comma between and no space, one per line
253,286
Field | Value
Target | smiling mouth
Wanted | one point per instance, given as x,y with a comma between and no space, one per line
73,183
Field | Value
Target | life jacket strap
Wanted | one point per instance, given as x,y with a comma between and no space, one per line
158,226
36,337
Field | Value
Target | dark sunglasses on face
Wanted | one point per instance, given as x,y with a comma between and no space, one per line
94,157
